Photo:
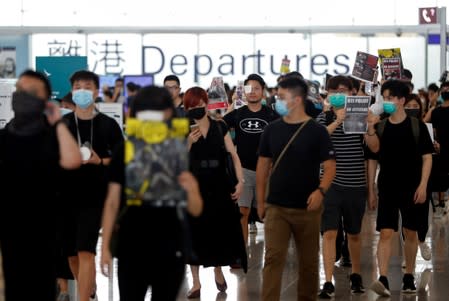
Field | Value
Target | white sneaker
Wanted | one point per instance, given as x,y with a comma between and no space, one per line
252,228
425,251
439,212
424,280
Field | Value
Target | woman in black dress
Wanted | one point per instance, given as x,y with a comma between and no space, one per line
217,238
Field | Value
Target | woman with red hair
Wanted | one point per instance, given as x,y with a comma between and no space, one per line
217,238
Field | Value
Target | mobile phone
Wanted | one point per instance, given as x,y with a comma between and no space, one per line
193,126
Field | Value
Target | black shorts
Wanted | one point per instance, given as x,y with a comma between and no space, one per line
391,202
81,230
348,203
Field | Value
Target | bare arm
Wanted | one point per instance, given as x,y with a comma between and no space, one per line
70,155
237,165
371,138
194,199
371,171
262,171
420,194
110,211
340,114
316,197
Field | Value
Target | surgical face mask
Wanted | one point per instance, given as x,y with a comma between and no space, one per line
281,107
83,98
264,102
65,111
440,99
197,113
412,113
337,100
389,107
444,96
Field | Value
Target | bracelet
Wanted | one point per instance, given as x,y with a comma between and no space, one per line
374,133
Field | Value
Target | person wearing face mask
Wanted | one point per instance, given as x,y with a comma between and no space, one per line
97,135
217,238
151,248
345,201
413,108
291,150
405,165
249,122
440,123
34,146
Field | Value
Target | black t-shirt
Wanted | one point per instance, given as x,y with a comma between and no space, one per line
249,126
29,180
440,122
400,158
298,172
88,183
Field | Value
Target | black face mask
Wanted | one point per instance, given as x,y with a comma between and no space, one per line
197,113
412,113
445,95
28,113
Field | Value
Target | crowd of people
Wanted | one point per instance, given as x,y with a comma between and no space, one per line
163,197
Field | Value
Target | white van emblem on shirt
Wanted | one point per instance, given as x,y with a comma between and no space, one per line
253,125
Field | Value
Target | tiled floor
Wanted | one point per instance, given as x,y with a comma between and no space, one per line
243,287
246,287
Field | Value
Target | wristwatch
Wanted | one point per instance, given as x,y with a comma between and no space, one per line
322,190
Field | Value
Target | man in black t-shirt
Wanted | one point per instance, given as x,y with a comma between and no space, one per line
97,135
405,165
173,85
249,122
294,200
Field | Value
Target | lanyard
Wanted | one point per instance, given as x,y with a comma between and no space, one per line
91,131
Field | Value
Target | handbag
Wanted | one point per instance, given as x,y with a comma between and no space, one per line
228,164
276,163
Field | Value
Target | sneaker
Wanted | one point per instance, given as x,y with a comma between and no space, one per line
424,280
381,287
94,297
356,284
440,212
63,297
408,286
425,251
252,228
328,291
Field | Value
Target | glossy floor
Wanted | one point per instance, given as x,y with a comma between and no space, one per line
246,287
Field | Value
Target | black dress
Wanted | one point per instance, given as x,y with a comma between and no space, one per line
217,238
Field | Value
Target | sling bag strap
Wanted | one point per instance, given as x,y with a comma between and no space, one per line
287,145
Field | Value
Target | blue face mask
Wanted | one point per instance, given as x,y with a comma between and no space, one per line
83,98
337,100
65,111
389,107
440,99
318,105
263,102
281,107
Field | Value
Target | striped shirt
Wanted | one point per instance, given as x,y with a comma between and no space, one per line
349,155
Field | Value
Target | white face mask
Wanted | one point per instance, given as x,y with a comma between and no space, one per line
150,115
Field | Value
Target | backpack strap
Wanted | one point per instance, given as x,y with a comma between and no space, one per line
415,129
